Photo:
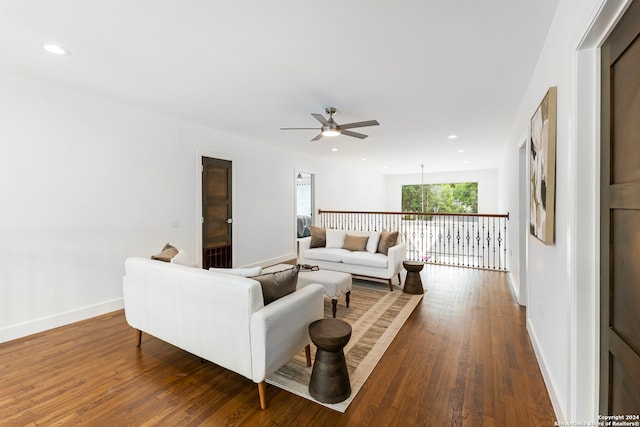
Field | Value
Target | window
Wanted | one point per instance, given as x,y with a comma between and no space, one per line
449,198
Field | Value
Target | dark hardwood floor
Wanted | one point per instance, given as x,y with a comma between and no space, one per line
462,358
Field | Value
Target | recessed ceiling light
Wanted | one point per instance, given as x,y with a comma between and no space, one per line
55,49
364,158
452,136
334,149
460,151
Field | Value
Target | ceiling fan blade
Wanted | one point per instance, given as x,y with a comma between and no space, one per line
321,119
317,137
297,128
360,124
353,134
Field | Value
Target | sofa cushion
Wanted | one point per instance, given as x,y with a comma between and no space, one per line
318,237
325,254
335,238
166,254
366,259
387,240
278,284
355,243
244,272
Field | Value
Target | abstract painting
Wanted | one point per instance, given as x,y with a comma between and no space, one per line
543,169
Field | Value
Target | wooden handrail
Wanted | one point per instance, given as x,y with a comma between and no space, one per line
464,239
320,211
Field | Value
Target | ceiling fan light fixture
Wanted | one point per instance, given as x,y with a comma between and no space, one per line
330,132
331,128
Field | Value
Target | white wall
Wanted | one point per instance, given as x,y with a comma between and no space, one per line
87,183
357,190
562,314
487,187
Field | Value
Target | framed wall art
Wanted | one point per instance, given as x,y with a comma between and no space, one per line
543,169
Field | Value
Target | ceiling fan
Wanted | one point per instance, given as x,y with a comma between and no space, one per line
331,128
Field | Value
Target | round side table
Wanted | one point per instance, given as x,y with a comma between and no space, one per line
413,283
329,378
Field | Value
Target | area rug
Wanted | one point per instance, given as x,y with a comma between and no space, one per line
375,315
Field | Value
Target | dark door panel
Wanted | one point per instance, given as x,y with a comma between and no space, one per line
216,213
620,219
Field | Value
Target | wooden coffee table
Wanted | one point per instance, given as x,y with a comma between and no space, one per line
413,283
329,378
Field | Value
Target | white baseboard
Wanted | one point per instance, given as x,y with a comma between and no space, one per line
272,261
555,402
515,285
34,326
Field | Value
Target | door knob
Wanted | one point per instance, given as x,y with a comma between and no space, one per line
230,221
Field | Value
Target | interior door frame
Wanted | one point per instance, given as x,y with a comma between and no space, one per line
313,190
585,287
523,218
314,212
198,198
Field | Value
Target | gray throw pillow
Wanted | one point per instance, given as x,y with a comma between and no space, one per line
278,284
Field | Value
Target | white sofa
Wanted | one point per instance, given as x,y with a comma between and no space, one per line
220,317
366,263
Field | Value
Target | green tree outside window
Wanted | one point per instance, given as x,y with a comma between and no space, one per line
443,198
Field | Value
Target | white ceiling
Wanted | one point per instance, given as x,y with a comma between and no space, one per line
424,69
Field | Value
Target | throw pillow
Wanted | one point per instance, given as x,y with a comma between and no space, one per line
387,240
335,238
244,272
182,258
278,284
355,243
166,254
372,243
318,237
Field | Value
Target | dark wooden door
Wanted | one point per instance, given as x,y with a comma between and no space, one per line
620,219
216,213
